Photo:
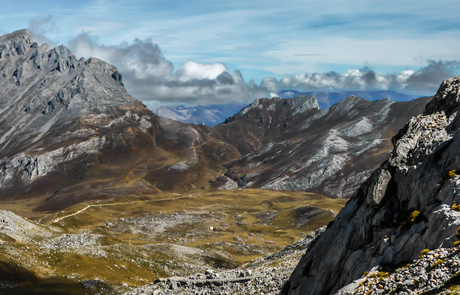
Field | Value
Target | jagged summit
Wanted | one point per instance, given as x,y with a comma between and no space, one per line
42,87
16,44
44,70
19,34
56,109
298,104
407,205
447,98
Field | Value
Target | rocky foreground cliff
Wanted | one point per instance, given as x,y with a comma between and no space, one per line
408,204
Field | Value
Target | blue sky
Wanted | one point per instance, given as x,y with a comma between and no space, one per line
303,45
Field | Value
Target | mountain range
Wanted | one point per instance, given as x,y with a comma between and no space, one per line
70,133
326,99
215,114
210,115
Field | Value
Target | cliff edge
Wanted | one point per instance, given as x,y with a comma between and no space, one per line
408,204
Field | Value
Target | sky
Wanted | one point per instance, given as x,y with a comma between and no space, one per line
173,52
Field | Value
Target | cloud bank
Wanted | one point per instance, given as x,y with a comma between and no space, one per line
424,81
149,76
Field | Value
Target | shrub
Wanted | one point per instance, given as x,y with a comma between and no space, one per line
414,216
452,173
380,274
456,243
458,232
424,252
455,207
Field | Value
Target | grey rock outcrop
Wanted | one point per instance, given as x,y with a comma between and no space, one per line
435,272
403,208
44,91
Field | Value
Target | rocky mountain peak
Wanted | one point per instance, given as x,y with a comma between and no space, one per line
299,103
53,106
408,204
17,37
16,44
304,103
45,77
447,98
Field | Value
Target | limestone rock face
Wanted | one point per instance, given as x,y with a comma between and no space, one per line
53,107
403,208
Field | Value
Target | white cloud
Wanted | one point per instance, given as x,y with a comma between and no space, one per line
424,81
149,76
191,70
39,27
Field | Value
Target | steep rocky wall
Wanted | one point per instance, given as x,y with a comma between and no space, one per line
403,208
55,108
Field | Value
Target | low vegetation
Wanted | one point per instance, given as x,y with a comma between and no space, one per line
452,173
134,240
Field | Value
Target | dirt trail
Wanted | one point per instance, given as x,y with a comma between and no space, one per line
114,204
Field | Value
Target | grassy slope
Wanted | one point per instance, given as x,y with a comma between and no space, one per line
141,238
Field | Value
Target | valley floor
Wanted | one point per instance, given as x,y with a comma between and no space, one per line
115,246
265,275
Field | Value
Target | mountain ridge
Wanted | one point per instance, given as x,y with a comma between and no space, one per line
327,151
326,99
214,114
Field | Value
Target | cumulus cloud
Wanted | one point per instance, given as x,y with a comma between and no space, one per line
429,77
40,26
424,81
148,75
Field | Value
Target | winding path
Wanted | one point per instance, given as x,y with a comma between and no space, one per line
114,204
